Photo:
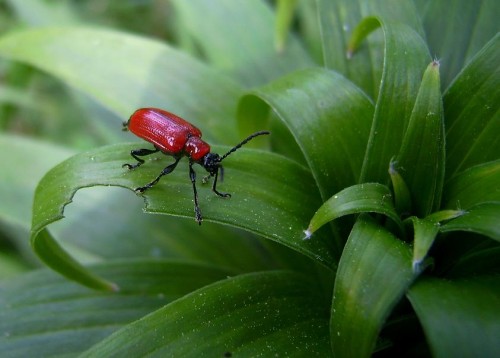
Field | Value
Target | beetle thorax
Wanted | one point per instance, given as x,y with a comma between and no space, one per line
196,148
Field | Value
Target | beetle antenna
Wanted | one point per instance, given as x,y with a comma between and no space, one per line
245,141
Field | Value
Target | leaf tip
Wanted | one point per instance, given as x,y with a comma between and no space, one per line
349,53
415,265
113,287
308,233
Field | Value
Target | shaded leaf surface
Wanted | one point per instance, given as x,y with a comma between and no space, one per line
475,185
459,317
481,219
472,114
265,314
46,314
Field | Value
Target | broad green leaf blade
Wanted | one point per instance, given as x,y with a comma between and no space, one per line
472,116
461,317
374,272
238,37
406,57
44,313
260,314
106,223
126,72
475,185
328,117
469,25
422,155
361,198
481,219
338,19
274,201
425,231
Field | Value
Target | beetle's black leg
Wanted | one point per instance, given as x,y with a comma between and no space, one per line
192,176
136,153
214,189
169,169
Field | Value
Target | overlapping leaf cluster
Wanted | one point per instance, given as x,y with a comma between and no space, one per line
368,223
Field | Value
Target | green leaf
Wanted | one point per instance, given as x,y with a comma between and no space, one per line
406,57
274,201
49,251
244,46
20,180
284,15
475,185
41,13
98,226
460,318
402,196
422,155
11,265
338,19
361,198
328,117
374,272
27,161
126,72
481,219
469,25
259,314
472,118
425,231
44,313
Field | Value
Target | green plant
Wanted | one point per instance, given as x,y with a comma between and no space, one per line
369,225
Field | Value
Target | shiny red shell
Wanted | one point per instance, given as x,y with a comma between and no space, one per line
168,132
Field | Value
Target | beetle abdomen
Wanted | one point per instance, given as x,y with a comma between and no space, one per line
166,131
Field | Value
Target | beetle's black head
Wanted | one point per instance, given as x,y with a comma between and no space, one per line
211,162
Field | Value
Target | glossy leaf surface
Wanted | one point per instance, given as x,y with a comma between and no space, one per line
361,198
372,256
321,109
285,208
422,154
404,63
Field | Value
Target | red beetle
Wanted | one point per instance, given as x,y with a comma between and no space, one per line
174,136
